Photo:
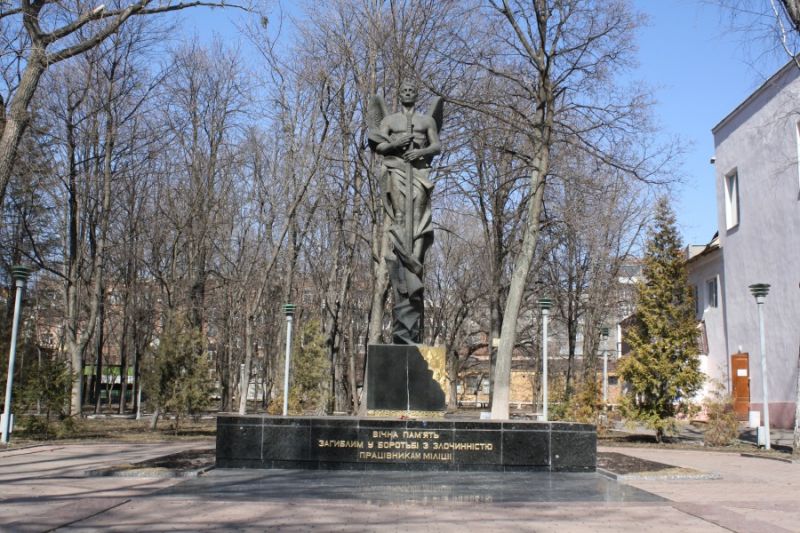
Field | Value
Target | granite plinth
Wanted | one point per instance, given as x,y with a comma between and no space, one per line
352,443
399,379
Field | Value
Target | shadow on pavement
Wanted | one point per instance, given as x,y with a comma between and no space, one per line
406,487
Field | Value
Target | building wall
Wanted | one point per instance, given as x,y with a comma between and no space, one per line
715,362
759,141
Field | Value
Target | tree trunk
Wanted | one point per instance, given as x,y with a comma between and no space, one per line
792,8
98,350
351,372
77,340
452,376
127,339
495,321
244,383
494,234
508,331
136,376
123,362
380,284
18,117
227,377
154,418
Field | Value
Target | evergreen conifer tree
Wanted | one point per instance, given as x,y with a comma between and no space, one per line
662,371
177,378
310,372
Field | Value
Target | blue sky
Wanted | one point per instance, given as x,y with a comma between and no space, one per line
699,69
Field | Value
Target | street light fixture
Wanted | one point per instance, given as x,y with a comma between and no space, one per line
20,275
760,291
544,304
288,310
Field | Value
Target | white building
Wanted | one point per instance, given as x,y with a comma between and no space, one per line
707,277
757,166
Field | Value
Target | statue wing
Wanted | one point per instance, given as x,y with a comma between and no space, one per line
436,112
376,111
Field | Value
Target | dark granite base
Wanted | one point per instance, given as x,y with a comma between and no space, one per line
348,443
416,488
398,379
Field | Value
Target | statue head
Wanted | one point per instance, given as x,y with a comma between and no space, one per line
408,92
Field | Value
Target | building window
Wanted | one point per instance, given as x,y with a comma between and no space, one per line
696,296
732,200
702,337
711,293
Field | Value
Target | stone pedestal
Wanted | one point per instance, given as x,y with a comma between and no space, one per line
400,379
350,443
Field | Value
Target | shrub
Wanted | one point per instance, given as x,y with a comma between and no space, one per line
722,427
41,396
177,378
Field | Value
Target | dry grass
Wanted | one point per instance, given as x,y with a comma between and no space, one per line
126,430
637,440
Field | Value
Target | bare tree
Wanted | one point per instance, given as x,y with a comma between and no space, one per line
492,183
456,287
596,217
88,135
561,57
774,24
57,31
205,99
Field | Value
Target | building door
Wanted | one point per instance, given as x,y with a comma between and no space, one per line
740,384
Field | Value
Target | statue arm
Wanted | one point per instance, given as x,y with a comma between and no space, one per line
387,147
434,145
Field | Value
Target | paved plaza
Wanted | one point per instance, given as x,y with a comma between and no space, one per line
46,488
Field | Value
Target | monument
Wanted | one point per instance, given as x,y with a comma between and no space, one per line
408,142
406,428
399,376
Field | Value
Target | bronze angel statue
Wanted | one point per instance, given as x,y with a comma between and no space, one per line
408,141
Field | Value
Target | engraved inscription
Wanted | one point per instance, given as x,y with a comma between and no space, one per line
407,445
323,443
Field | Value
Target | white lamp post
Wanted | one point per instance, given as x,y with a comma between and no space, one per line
544,304
20,274
760,291
604,339
288,310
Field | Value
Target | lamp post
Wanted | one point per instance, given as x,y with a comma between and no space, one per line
760,291
604,339
544,304
288,310
20,274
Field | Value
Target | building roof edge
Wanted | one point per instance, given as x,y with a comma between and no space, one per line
755,94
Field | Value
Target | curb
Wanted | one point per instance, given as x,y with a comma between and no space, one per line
127,470
682,474
771,458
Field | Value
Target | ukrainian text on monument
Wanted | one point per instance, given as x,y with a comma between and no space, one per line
405,445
